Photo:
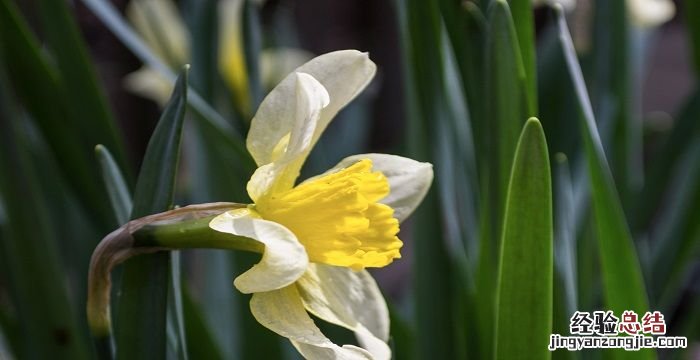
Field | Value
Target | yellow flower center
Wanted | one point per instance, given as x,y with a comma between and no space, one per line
338,219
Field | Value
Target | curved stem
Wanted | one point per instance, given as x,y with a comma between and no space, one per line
182,228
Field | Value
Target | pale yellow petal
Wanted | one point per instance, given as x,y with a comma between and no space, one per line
342,73
409,180
290,151
150,84
650,13
282,311
231,58
284,259
350,299
162,28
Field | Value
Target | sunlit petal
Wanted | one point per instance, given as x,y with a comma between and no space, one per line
291,150
282,311
650,13
350,299
162,27
342,73
149,84
284,259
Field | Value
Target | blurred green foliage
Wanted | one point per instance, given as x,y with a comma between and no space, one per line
502,245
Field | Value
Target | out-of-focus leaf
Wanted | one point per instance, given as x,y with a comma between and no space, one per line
141,316
106,12
177,340
252,46
525,276
29,249
677,240
466,27
525,31
83,94
565,235
565,277
421,32
117,189
622,276
613,96
686,130
691,12
36,81
200,344
507,107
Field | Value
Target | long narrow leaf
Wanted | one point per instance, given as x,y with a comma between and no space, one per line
37,81
28,247
526,266
622,276
142,306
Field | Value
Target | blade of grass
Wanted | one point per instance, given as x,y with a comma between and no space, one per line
525,276
141,316
622,276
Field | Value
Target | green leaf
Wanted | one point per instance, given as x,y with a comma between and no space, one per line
525,31
29,248
36,81
141,316
613,96
507,108
117,189
623,283
691,12
525,280
200,344
422,44
686,129
84,96
177,340
565,297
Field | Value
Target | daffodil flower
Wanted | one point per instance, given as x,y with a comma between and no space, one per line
321,234
163,29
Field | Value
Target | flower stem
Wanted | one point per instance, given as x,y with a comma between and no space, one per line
182,228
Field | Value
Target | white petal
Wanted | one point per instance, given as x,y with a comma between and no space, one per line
291,150
349,299
650,13
149,84
282,311
409,180
284,259
162,27
342,73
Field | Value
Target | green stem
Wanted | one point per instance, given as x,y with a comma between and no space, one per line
192,234
182,228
